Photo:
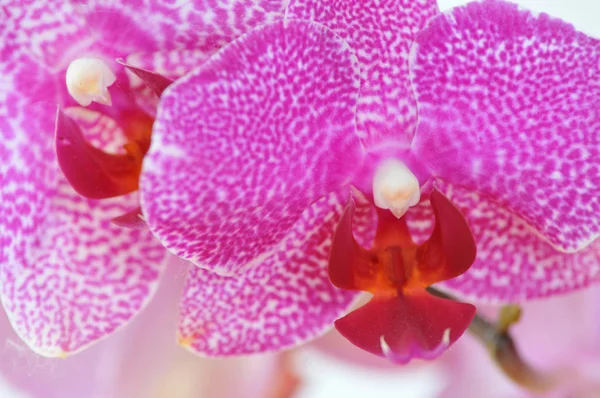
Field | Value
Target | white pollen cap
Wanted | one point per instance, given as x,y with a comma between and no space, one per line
88,80
395,187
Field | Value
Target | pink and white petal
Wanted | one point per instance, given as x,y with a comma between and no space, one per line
189,24
244,144
508,107
513,263
49,29
54,34
285,301
381,33
126,364
68,276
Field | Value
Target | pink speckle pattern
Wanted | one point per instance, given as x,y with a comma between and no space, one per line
283,302
68,276
513,264
132,26
509,107
380,32
244,144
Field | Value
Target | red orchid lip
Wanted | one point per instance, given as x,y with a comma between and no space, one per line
403,321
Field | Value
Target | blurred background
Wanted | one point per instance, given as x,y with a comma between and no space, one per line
559,335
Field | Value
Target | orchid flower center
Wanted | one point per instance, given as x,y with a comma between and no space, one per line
395,187
88,80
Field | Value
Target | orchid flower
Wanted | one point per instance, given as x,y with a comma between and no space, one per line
68,275
487,109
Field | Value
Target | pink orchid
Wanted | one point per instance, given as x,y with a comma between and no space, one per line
68,275
255,153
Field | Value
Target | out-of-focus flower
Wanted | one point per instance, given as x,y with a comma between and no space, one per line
68,276
254,153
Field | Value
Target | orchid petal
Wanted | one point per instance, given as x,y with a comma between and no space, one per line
451,249
68,276
126,360
513,263
244,144
283,302
132,26
155,81
508,108
188,24
417,325
381,33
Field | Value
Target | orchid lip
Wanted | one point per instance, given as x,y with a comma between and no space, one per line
402,321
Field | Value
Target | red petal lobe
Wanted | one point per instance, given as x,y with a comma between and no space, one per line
91,172
346,255
157,83
406,327
451,249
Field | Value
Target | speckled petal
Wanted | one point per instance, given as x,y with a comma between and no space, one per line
55,31
509,107
513,263
244,144
283,302
68,276
381,33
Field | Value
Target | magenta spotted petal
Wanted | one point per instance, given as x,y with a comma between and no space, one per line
244,144
513,264
381,34
508,107
284,301
55,31
69,276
